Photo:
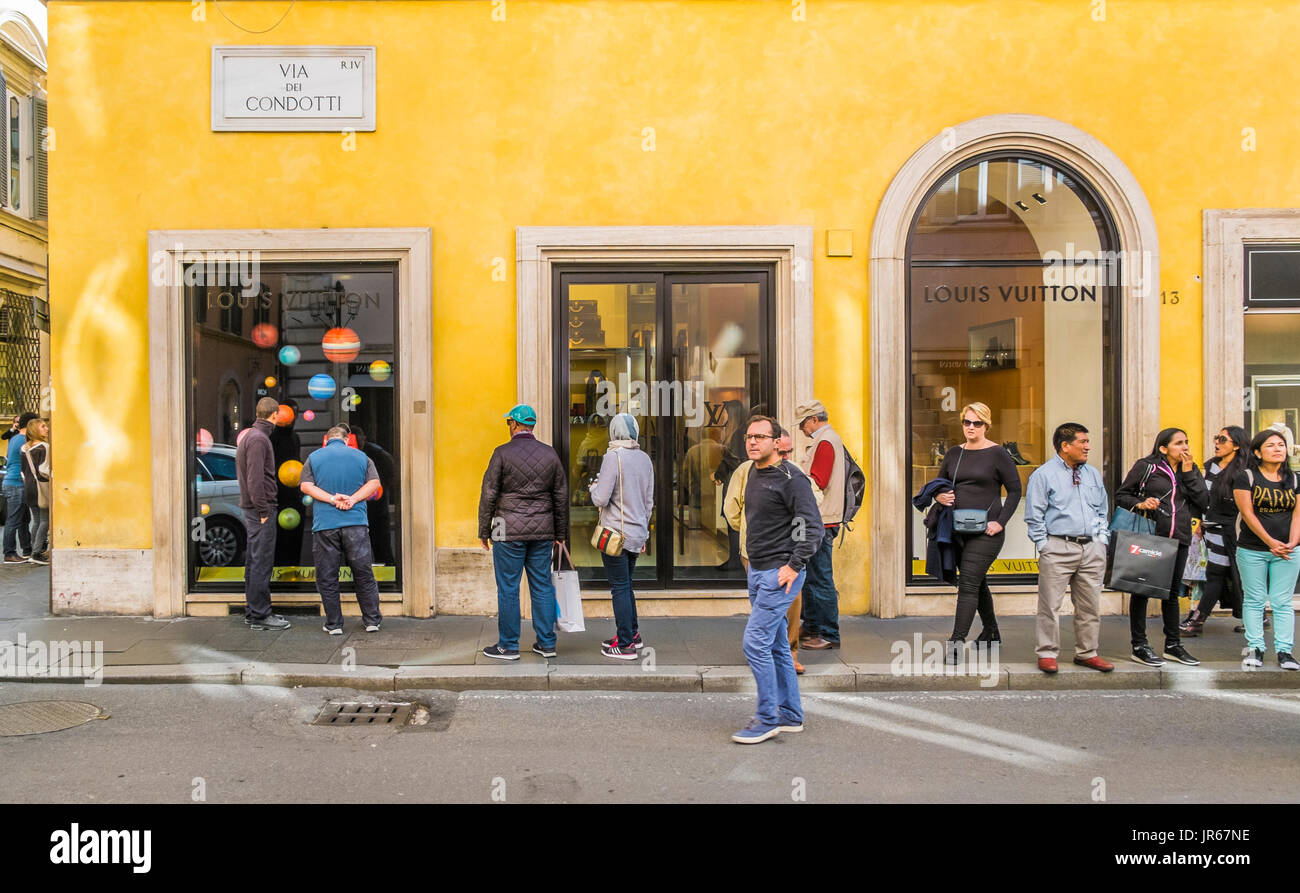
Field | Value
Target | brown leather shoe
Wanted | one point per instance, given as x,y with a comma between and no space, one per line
798,668
817,643
1097,663
1047,664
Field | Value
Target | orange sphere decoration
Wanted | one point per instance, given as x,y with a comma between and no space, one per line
270,381
341,345
285,415
265,335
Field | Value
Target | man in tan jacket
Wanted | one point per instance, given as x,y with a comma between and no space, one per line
734,510
824,464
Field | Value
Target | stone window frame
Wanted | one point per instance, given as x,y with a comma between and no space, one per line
411,248
538,249
1227,233
888,475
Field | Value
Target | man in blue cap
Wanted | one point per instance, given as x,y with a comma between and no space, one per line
523,511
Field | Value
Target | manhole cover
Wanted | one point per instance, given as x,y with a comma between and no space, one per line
352,713
37,717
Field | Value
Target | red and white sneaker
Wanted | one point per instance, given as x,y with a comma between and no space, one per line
636,641
618,653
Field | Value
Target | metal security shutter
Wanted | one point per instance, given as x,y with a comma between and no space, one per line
39,116
4,143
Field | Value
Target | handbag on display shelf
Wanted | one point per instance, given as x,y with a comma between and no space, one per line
606,539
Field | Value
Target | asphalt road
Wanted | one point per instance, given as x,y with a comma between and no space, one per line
247,744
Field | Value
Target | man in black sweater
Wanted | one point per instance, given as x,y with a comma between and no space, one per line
255,469
782,531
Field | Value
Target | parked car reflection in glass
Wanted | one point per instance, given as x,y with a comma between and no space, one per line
217,487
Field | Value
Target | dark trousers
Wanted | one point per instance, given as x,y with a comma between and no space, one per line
1137,607
619,570
821,601
381,540
978,551
331,549
1222,586
259,557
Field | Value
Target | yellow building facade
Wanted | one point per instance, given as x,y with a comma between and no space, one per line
694,210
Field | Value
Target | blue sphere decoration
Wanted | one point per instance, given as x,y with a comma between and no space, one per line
321,386
290,355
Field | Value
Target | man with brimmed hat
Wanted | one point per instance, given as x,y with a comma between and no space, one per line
824,464
523,512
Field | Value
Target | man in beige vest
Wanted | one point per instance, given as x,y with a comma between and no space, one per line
824,464
734,511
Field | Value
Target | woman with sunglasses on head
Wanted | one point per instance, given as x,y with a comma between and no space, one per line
1222,584
1266,493
1167,488
980,469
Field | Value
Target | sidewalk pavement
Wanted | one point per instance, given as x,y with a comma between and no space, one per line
686,654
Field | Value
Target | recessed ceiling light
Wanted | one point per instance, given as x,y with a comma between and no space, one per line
1038,198
1022,206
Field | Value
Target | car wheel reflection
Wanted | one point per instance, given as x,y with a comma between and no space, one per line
224,544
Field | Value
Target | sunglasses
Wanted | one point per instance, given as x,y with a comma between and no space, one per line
1220,439
972,423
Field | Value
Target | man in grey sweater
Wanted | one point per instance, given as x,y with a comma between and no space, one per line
783,529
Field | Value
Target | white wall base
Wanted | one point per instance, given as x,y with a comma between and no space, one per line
102,581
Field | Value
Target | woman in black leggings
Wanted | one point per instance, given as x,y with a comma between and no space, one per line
980,469
1167,488
1222,583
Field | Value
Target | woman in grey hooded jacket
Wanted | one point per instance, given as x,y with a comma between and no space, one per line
624,491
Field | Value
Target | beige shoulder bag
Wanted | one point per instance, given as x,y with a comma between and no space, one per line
606,539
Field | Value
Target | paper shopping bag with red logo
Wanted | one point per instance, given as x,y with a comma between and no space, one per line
1143,564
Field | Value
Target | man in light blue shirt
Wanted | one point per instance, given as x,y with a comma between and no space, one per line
17,532
1065,511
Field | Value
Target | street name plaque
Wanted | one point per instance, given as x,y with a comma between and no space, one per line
293,88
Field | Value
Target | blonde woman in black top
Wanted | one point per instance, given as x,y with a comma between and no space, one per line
980,470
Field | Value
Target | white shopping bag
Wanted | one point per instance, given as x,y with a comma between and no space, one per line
568,595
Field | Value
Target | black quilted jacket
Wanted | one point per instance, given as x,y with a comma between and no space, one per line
524,488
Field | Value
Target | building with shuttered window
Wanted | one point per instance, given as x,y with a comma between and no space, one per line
24,232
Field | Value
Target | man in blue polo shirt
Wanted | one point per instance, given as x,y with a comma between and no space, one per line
340,479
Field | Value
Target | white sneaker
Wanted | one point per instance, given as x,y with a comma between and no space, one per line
333,632
1254,658
372,627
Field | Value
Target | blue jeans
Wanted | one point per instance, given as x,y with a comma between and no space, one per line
509,560
821,601
619,570
767,649
16,521
1267,578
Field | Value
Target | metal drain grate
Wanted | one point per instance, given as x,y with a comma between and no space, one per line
38,717
352,713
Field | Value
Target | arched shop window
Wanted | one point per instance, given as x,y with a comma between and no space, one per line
1012,281
322,340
